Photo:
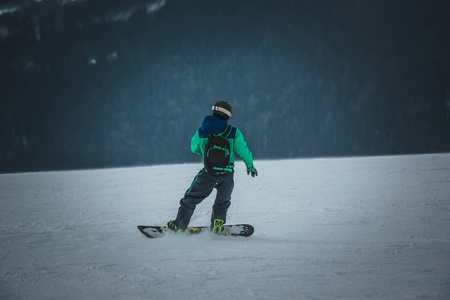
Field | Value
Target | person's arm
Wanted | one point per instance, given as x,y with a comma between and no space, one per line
195,144
240,146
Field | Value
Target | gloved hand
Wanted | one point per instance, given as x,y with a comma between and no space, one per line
252,170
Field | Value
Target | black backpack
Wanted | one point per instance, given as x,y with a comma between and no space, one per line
217,153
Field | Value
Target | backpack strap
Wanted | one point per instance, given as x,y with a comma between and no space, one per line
224,133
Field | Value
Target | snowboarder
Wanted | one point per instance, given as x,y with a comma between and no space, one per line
219,168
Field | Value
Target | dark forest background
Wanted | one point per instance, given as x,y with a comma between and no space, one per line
106,83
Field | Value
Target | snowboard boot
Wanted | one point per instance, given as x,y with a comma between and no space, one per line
171,226
217,226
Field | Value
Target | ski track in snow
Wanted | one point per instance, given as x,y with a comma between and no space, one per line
340,228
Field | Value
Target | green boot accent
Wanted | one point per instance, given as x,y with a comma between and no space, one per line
171,226
218,226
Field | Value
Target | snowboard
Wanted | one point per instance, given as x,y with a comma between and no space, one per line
245,230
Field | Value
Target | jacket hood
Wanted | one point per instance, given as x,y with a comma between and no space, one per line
213,125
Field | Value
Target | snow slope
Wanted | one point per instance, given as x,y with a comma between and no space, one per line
342,228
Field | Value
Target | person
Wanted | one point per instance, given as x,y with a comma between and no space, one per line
210,177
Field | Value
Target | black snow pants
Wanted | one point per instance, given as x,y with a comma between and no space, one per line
201,187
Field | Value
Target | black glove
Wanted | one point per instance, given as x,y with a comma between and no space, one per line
252,170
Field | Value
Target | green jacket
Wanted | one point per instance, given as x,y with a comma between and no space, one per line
213,125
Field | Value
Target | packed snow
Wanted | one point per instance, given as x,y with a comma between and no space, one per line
336,228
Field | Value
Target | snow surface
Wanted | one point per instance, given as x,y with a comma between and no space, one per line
341,228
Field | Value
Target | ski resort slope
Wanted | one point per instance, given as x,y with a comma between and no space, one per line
340,228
